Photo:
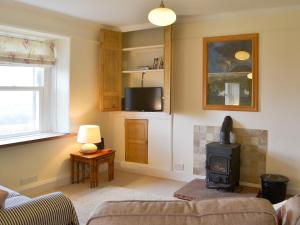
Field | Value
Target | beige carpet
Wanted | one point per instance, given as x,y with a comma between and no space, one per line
87,201
125,186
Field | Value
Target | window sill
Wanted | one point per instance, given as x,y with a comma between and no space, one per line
8,142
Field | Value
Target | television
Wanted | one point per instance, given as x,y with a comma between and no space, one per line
148,99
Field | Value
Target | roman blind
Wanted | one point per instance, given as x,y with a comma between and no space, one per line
26,51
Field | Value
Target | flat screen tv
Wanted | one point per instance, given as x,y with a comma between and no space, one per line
148,99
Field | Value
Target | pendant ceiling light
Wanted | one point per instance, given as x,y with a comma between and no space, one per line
162,16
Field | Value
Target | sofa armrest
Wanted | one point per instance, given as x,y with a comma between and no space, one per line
54,208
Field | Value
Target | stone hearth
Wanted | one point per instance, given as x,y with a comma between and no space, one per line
254,145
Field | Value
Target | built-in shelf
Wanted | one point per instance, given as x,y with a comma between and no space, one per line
143,48
143,71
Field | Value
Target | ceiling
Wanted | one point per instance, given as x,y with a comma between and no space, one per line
132,12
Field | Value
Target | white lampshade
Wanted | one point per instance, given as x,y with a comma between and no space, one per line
89,134
162,16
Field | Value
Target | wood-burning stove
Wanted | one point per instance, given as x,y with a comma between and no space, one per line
222,166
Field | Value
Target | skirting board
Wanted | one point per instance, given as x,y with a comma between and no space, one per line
144,169
175,175
44,186
48,185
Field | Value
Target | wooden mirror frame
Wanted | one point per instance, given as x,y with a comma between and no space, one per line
254,105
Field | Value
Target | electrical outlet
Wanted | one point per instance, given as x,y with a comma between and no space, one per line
28,180
179,166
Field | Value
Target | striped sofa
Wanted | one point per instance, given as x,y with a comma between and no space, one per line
51,209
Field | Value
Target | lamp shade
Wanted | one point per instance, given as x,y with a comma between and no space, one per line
162,16
89,134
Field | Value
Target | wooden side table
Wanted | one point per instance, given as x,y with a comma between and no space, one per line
79,161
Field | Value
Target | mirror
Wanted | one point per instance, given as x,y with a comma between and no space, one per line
230,74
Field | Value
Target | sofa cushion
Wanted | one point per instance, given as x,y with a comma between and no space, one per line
291,211
278,209
11,193
15,201
226,211
50,209
3,196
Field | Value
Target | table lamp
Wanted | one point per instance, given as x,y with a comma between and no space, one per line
88,135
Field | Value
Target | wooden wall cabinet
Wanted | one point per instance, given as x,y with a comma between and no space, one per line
168,68
136,140
120,54
110,58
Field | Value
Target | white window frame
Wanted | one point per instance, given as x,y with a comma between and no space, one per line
47,98
48,108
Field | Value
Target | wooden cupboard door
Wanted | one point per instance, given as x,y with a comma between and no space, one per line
136,140
110,103
168,68
110,70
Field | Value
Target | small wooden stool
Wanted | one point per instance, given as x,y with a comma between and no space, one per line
79,159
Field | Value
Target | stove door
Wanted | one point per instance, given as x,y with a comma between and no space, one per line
218,164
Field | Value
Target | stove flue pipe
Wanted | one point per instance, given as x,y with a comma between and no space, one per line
225,130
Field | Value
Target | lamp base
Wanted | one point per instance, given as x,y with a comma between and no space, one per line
88,148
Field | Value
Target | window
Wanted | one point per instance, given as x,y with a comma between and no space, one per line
34,88
24,100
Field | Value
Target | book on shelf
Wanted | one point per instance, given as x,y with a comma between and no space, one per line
143,68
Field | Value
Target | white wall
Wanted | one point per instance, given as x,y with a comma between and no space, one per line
49,161
159,139
279,83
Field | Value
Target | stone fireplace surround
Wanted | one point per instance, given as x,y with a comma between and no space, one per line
254,145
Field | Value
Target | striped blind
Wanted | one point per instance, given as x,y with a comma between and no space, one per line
26,51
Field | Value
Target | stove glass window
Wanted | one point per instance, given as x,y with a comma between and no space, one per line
219,164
